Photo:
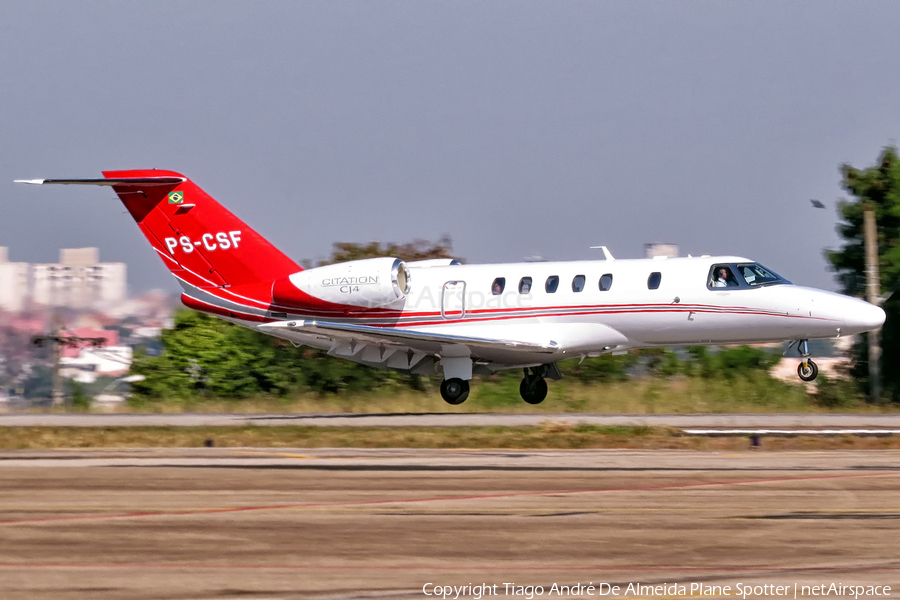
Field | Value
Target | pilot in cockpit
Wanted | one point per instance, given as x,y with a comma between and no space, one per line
724,278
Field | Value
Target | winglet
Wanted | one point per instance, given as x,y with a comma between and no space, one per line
29,181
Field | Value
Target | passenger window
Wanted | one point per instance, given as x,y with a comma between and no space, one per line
654,280
525,285
722,277
498,285
578,283
605,282
552,284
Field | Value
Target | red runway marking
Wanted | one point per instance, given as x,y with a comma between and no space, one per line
596,568
235,509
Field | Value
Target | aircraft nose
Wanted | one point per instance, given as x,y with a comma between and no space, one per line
862,316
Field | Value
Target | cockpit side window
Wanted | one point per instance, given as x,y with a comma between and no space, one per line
721,276
756,275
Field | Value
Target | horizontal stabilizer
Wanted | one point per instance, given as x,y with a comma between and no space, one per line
142,181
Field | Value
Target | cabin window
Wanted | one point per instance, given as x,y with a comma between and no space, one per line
721,276
552,284
605,282
525,285
578,283
498,285
654,280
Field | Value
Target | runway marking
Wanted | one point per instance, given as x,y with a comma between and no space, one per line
308,457
721,513
364,503
281,454
57,508
356,567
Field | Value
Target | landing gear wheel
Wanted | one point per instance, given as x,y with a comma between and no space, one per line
454,391
533,390
809,372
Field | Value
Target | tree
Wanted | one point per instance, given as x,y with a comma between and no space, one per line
877,186
415,250
204,356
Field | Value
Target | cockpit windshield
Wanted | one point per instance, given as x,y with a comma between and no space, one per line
757,275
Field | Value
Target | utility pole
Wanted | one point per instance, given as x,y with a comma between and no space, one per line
873,295
58,396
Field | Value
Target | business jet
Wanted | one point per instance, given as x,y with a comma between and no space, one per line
432,316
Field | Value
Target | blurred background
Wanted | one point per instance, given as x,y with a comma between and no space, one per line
489,132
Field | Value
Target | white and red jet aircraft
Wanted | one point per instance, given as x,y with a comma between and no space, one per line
469,319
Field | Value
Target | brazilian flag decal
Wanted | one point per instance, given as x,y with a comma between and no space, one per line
176,197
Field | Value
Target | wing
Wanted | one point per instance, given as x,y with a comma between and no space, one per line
416,350
405,349
403,336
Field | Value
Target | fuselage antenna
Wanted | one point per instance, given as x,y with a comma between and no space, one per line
606,253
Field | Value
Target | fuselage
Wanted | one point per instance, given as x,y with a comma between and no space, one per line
594,307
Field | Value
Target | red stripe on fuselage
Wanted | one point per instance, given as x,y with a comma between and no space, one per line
579,310
218,310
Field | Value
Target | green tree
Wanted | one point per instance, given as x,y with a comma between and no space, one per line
729,362
80,397
606,368
204,356
415,250
879,187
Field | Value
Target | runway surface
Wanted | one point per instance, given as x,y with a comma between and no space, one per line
255,523
772,421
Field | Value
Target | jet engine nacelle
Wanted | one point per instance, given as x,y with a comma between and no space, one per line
371,283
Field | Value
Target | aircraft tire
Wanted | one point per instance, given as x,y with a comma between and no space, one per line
809,373
533,391
454,391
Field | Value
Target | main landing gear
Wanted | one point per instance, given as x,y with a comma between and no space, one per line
806,370
533,388
455,390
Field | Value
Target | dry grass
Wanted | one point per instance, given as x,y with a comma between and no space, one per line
549,435
678,395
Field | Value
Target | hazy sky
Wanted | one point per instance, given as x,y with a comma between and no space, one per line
520,128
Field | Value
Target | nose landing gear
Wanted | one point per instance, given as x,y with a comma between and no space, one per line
533,388
806,370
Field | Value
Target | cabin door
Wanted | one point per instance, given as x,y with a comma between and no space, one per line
453,300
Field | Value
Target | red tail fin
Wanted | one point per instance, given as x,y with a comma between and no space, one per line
199,240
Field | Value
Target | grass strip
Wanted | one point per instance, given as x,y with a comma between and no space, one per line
548,435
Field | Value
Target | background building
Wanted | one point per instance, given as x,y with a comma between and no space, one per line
667,250
13,283
79,280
